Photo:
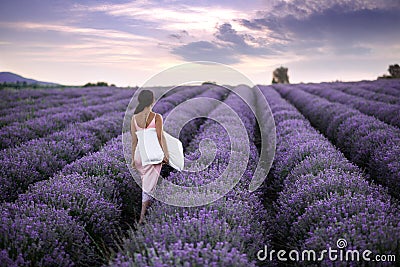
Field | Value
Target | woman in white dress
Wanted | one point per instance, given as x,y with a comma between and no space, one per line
145,118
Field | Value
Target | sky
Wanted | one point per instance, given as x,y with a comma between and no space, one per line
127,42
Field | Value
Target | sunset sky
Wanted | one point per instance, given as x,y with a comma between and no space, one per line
127,42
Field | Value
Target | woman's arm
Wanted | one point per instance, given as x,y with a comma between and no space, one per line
161,137
134,141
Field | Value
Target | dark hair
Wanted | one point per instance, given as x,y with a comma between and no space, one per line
145,99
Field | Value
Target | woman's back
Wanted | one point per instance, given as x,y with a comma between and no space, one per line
141,118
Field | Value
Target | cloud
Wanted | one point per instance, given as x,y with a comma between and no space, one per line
143,34
206,51
242,44
301,9
62,43
228,47
337,27
103,33
227,34
167,15
180,35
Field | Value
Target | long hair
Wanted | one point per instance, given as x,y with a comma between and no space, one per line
145,99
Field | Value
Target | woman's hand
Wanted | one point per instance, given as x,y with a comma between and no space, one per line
133,164
165,160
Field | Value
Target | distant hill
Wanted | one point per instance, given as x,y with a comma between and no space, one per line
9,77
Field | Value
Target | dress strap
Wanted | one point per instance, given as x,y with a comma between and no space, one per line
147,125
153,119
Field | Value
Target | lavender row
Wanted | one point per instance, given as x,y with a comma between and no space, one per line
38,159
18,133
175,96
92,194
388,113
178,97
11,97
190,129
224,233
112,157
322,196
357,90
38,235
389,87
24,113
23,97
34,104
110,176
17,100
164,103
368,142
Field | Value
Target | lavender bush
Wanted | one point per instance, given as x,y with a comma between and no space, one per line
17,100
389,113
17,133
322,196
356,90
40,158
94,191
230,220
77,196
368,142
387,87
61,105
34,234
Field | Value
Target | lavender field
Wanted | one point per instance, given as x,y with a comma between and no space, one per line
68,197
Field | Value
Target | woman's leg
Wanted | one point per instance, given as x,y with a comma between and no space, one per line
146,201
145,205
149,181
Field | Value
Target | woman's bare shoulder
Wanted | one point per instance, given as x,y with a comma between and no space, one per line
158,117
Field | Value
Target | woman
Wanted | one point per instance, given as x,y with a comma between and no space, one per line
145,118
